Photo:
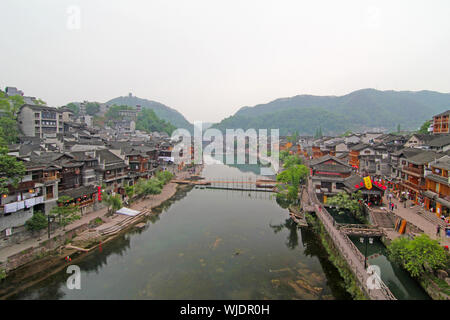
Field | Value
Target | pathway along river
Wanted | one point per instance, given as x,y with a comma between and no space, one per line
206,244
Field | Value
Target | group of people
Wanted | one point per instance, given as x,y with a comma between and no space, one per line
392,206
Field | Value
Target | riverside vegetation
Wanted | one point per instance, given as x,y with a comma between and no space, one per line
426,261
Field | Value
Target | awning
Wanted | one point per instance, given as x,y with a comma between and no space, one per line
79,192
430,194
443,202
372,192
128,211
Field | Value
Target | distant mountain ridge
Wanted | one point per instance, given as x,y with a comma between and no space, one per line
162,111
358,110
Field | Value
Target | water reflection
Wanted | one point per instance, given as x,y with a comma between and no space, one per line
398,280
291,226
206,244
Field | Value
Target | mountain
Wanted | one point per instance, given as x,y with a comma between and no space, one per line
162,111
360,110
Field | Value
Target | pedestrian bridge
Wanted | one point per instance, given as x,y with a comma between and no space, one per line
360,230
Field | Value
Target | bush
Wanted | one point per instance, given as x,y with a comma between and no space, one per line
164,176
37,222
414,255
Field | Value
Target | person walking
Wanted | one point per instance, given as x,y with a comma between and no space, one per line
438,230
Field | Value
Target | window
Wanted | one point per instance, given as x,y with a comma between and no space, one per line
37,115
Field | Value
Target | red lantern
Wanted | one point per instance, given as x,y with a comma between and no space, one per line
356,186
99,193
361,184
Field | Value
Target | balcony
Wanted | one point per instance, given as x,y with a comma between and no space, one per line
109,177
413,186
50,178
413,171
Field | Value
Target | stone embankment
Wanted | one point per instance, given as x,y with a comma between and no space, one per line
81,234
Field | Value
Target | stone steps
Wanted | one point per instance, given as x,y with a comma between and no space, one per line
117,227
431,217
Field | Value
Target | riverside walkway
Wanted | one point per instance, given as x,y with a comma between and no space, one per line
350,252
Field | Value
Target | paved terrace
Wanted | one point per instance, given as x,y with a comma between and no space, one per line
426,221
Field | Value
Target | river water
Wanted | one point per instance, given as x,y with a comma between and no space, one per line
206,244
214,244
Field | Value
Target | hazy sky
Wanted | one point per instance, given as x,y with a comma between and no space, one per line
208,58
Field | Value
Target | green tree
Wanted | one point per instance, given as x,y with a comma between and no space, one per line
11,104
344,201
291,160
37,222
113,203
129,191
65,210
283,155
113,112
11,171
424,128
92,108
74,108
414,255
8,130
148,121
148,187
292,177
164,176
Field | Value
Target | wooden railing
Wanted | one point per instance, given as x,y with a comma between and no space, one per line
418,187
50,178
418,171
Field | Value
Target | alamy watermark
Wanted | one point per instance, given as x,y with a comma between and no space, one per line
374,280
235,147
73,21
74,281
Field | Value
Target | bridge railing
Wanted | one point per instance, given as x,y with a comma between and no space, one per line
350,252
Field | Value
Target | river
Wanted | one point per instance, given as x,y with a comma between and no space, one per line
206,244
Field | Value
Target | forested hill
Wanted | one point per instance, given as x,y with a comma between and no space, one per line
162,111
360,110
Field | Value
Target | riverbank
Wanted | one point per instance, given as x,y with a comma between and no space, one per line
88,238
53,262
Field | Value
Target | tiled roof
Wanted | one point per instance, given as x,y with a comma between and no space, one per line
359,146
79,192
443,113
325,158
423,157
442,163
440,141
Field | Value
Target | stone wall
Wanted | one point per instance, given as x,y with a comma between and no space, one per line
16,260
